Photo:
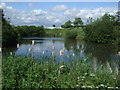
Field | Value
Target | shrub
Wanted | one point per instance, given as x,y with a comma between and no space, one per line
101,30
71,34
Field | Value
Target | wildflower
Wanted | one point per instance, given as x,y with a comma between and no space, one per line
0,49
102,85
85,59
119,53
61,52
116,87
83,77
52,53
11,53
86,73
92,74
97,87
33,42
77,85
62,66
83,86
18,45
89,86
110,87
73,54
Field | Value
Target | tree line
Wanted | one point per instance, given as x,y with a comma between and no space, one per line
102,30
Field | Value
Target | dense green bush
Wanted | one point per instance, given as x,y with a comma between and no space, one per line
25,72
71,34
102,30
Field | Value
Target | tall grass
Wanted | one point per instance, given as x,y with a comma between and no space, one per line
25,72
67,33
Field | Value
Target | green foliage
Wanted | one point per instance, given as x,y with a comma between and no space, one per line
67,24
9,36
78,21
55,32
25,72
30,31
71,34
54,25
102,30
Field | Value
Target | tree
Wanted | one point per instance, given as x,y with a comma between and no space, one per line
67,24
78,21
9,36
54,25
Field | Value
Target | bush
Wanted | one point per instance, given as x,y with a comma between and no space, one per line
71,34
101,30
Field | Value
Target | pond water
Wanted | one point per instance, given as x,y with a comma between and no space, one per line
102,53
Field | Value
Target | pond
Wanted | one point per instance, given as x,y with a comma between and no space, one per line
100,53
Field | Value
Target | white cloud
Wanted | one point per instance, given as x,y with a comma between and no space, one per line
59,8
48,18
71,12
39,12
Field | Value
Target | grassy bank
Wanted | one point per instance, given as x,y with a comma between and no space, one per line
67,33
24,72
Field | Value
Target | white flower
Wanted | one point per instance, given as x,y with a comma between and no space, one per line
92,74
110,87
89,86
62,66
83,77
73,54
83,86
97,87
33,42
18,45
77,85
102,85
11,53
86,73
52,53
0,49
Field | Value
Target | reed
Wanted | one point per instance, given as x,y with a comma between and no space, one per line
26,72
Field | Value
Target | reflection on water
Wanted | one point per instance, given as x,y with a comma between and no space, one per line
101,53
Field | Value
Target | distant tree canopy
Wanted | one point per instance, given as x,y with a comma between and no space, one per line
9,36
54,25
67,24
30,31
76,23
103,30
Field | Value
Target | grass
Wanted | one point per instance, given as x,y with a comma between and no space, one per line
67,33
25,72
55,32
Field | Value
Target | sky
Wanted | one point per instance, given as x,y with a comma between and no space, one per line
49,13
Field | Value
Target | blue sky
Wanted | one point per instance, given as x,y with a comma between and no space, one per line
49,13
